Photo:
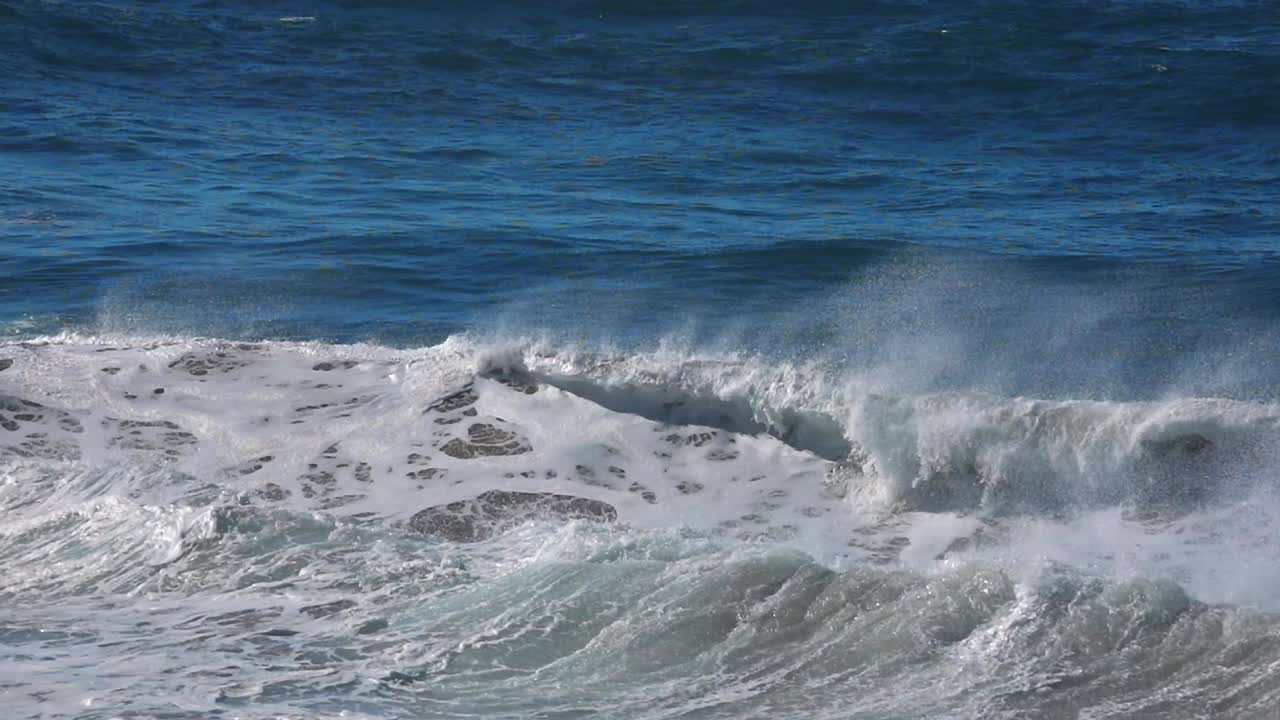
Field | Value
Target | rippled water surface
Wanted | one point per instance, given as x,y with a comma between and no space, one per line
648,360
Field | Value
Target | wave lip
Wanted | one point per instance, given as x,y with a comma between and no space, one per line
957,451
941,452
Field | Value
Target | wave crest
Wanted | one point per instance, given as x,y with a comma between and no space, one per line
943,451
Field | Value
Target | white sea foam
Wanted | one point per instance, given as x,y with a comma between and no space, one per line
721,443
785,545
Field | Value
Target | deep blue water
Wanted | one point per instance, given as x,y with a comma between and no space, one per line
400,171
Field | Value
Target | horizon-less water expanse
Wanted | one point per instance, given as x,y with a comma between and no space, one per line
705,359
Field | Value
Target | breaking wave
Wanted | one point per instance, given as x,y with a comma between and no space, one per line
663,533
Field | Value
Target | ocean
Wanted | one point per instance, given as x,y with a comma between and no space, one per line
640,359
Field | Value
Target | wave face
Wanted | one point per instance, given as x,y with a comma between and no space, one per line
517,529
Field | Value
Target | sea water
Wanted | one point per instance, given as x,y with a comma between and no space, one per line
645,360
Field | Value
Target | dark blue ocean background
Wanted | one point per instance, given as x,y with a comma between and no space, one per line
1081,196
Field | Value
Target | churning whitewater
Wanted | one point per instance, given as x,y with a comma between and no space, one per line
512,529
